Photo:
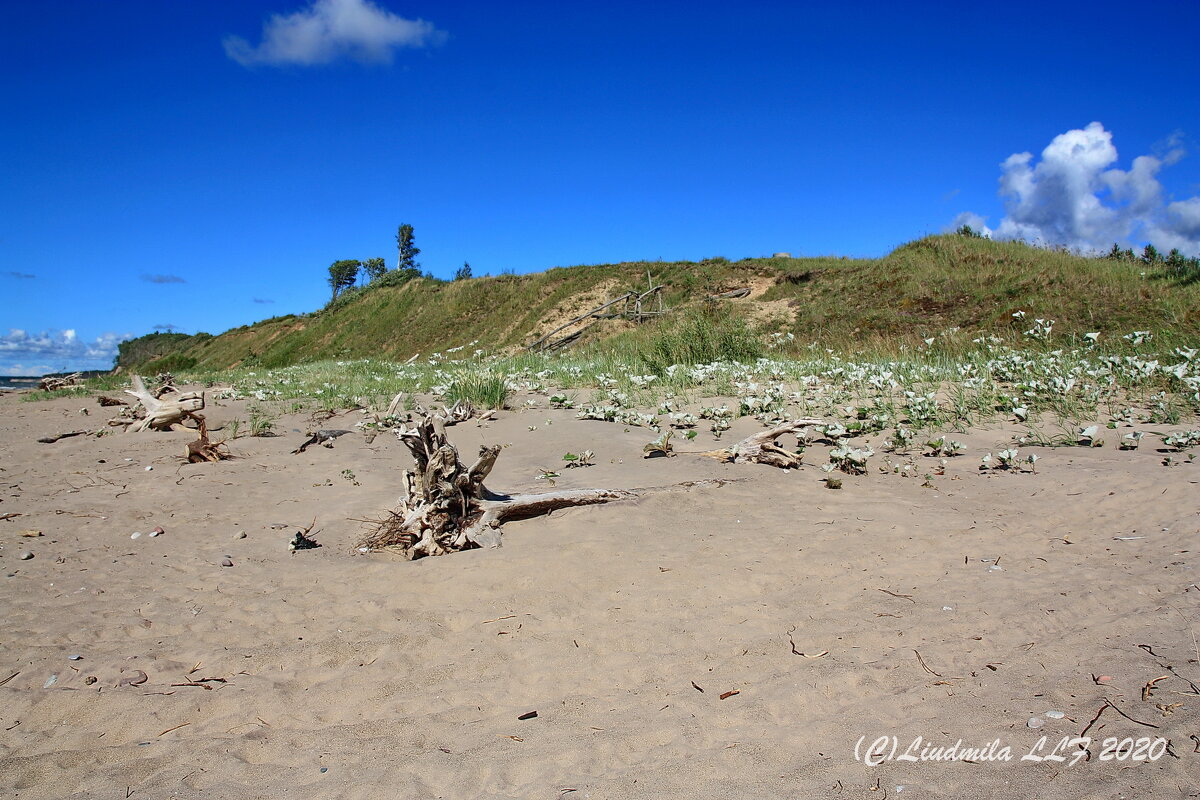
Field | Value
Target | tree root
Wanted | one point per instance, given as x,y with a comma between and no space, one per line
446,507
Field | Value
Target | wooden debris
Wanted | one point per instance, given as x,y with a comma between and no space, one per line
202,450
55,438
446,508
322,437
732,294
52,383
110,401
925,666
165,412
761,448
1148,689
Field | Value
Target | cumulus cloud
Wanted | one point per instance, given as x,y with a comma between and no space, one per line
263,301
163,279
1074,196
329,30
22,275
24,353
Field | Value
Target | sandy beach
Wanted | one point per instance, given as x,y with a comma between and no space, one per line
720,642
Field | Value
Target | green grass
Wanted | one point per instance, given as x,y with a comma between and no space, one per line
481,389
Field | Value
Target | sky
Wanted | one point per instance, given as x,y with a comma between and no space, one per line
197,165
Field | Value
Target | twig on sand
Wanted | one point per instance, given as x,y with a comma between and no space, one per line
907,597
1126,716
925,666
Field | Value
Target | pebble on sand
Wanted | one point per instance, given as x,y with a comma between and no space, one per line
226,562
240,535
135,535
25,556
1035,722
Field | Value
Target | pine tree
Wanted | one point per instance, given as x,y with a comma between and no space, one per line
407,261
342,275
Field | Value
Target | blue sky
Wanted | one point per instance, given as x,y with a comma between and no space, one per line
200,164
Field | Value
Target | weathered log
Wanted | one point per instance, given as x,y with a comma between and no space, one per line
761,448
446,507
163,413
52,384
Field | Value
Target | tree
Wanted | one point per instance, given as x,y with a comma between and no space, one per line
407,261
374,267
1150,255
463,273
343,274
969,232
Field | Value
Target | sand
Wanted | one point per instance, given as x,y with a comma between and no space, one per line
886,609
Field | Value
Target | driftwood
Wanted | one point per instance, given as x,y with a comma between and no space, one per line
461,411
56,437
761,448
110,401
166,412
446,507
324,437
732,294
581,318
53,384
202,450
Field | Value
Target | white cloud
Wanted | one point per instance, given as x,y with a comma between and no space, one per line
332,29
1074,196
23,353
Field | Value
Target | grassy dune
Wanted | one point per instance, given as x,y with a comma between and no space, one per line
921,289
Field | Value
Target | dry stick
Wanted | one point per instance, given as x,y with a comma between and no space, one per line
907,597
9,678
1126,716
580,318
925,666
1083,732
177,727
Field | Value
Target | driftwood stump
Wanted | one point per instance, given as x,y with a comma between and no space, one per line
53,384
446,507
761,448
166,412
203,450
